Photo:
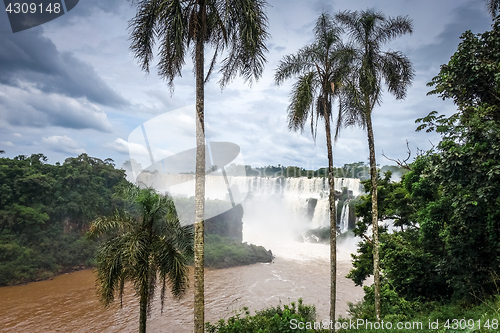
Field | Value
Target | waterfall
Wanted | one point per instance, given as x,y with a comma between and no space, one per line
291,196
295,194
344,218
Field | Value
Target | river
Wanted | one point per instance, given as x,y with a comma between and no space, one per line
68,303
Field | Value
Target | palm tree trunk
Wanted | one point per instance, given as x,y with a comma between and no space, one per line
199,242
333,221
373,175
143,309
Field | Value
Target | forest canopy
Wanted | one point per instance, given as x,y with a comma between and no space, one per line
45,209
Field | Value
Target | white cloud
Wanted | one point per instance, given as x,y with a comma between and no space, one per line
6,144
126,147
63,144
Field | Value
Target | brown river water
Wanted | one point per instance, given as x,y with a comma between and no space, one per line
68,303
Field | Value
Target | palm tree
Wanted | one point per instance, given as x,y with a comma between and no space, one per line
236,26
319,67
144,243
368,31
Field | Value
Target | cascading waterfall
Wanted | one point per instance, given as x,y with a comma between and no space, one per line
301,199
296,194
344,218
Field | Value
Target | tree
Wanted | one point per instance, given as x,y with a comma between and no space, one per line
238,26
146,242
319,67
466,166
368,31
472,76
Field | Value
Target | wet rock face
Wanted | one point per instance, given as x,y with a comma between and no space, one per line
311,206
228,224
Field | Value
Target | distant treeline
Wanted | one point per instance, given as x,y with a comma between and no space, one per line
352,170
45,209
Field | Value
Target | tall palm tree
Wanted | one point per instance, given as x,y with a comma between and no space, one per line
236,28
319,67
369,31
144,243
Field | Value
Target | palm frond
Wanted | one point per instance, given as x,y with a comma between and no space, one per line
351,108
172,28
143,27
353,24
295,64
172,266
493,7
301,101
398,73
152,275
142,246
392,28
320,107
110,264
246,27
326,32
119,221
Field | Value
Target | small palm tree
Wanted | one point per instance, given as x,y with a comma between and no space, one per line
363,91
319,67
145,243
236,26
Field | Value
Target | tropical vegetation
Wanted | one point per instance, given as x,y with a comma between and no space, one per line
44,211
442,253
295,317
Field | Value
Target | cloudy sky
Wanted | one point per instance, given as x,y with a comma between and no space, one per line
72,86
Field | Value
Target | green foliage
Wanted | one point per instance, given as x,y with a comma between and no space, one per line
362,90
448,205
463,214
271,320
470,318
318,67
236,27
394,308
472,77
447,209
44,209
222,252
